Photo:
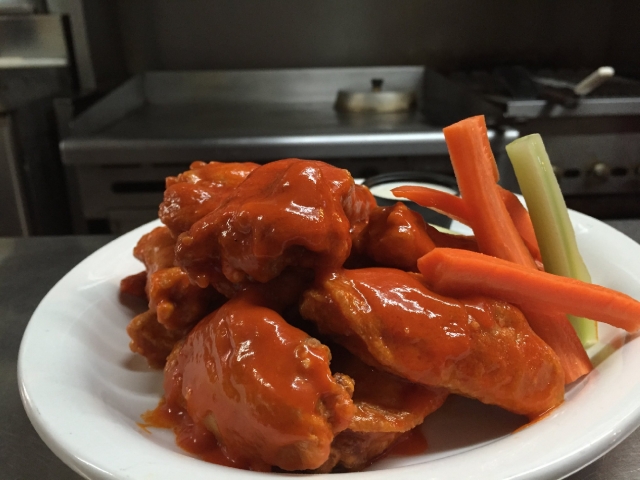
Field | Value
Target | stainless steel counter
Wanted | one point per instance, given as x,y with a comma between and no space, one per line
29,267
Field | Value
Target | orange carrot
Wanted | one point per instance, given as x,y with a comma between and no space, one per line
442,202
477,175
522,221
461,272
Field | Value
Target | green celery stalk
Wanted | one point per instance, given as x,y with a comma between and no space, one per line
550,219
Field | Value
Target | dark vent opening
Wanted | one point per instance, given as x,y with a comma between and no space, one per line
98,226
137,187
120,166
179,167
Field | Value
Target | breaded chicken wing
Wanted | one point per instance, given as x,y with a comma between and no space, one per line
394,237
151,339
156,250
397,237
135,285
477,347
387,407
175,305
196,192
263,387
288,212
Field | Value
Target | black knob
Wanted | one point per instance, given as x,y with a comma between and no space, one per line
376,84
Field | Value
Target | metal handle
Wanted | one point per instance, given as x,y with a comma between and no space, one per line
593,81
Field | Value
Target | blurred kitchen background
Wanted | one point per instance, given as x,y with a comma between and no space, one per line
100,100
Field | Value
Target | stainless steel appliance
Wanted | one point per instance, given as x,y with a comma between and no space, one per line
593,140
33,70
121,149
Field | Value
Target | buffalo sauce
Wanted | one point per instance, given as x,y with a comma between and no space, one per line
192,438
201,443
286,212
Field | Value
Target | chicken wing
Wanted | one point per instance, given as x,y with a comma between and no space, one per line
263,387
156,250
387,407
196,192
477,347
151,339
394,237
288,212
175,305
135,285
397,237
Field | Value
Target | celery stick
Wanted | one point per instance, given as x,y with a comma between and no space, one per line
550,218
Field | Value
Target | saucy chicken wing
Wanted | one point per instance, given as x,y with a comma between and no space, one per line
175,305
387,407
394,237
156,250
477,347
397,237
135,285
288,212
196,192
263,387
151,339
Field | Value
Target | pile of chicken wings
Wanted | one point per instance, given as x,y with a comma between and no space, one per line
287,312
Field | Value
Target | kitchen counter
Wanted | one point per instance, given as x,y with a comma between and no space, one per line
29,267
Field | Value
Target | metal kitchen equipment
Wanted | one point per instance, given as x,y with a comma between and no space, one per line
376,100
512,95
614,96
594,143
121,149
33,71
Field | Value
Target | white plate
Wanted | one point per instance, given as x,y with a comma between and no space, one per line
84,390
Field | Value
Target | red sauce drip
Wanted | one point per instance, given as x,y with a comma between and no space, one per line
190,437
163,416
201,443
413,443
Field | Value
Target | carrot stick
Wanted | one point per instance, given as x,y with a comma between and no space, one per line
522,221
477,174
442,202
461,272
